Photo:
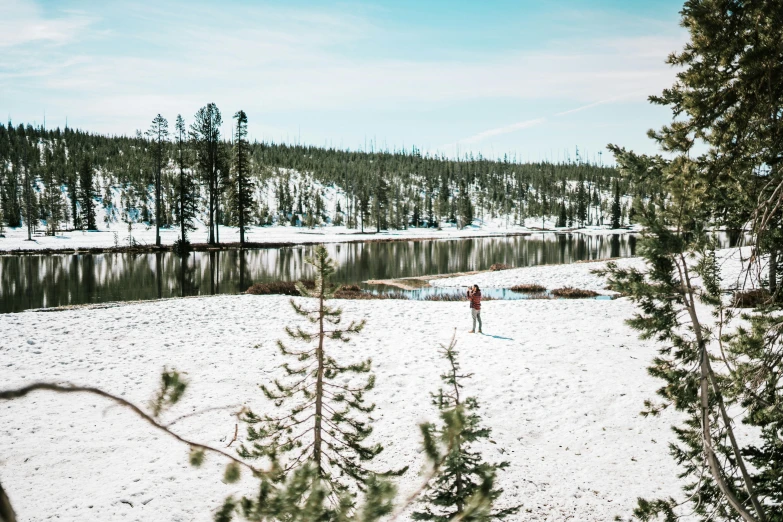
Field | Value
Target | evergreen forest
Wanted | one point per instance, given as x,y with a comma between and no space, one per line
54,180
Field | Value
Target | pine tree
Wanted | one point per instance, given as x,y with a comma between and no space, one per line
465,206
52,197
364,204
381,201
187,189
326,419
302,496
416,217
31,165
444,197
616,209
242,185
222,182
562,218
87,194
463,489
581,202
338,214
729,95
431,221
711,377
158,134
205,134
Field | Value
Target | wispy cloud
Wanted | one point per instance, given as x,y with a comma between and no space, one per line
502,130
637,94
506,129
23,22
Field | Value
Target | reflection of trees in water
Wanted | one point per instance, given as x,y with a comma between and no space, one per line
56,280
615,242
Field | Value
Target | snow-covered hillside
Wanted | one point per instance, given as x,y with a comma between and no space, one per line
119,228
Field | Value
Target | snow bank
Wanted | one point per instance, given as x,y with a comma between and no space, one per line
733,264
578,275
560,384
117,235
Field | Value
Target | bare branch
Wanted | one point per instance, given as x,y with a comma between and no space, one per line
71,388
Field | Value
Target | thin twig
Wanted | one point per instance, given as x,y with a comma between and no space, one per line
199,412
236,432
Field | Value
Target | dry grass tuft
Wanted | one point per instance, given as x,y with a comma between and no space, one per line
366,296
453,297
446,297
350,288
275,287
499,266
750,298
531,288
344,292
569,292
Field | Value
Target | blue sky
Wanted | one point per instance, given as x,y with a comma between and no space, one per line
532,78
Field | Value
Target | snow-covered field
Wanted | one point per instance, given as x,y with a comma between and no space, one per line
560,383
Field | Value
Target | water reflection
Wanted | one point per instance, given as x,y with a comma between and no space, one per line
58,280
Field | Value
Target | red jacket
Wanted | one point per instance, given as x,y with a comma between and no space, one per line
475,300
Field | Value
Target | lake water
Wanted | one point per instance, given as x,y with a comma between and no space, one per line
31,281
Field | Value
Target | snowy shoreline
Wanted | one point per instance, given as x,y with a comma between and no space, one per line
560,383
117,240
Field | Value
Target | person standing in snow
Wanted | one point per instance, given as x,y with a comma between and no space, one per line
474,296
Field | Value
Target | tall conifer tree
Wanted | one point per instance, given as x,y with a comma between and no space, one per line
616,209
187,189
158,134
205,133
729,94
242,184
87,193
52,197
465,206
29,206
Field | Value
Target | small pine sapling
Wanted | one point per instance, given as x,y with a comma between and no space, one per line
463,489
325,419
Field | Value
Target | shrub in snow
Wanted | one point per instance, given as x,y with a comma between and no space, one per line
499,266
569,292
531,288
751,298
274,287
